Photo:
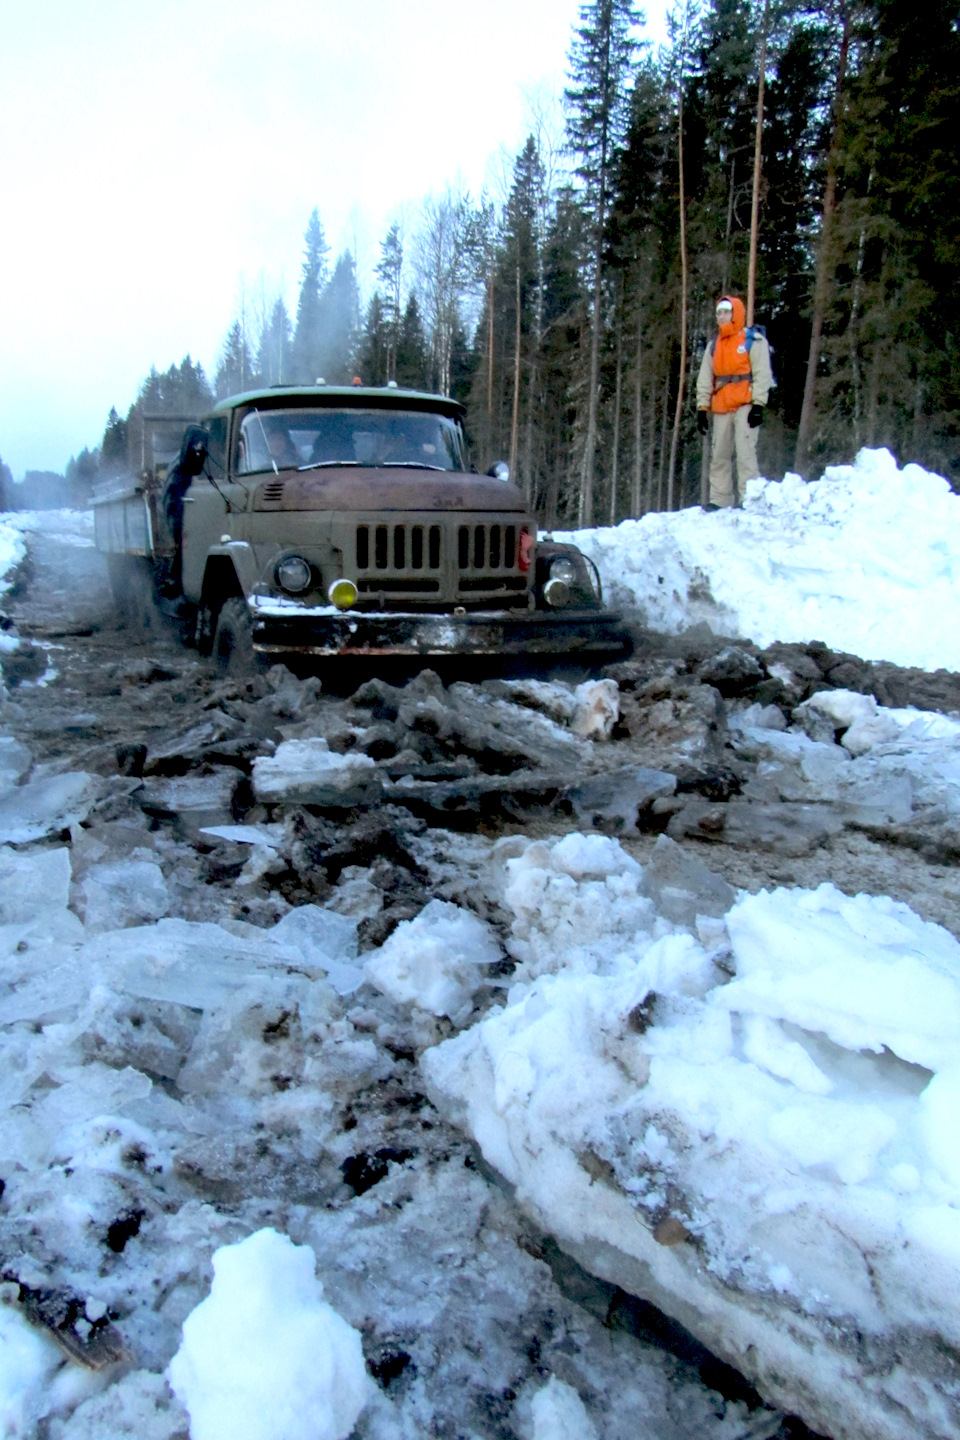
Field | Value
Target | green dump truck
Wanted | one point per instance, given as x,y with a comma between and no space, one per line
343,521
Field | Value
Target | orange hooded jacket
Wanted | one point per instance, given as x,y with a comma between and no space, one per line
731,360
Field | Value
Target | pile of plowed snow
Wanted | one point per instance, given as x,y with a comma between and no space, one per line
866,559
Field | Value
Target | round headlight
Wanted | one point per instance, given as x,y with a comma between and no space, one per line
293,574
563,570
343,594
556,592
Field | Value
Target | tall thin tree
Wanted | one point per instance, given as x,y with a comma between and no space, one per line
822,275
757,166
681,378
600,57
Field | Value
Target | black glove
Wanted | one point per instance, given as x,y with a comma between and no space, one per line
755,418
703,421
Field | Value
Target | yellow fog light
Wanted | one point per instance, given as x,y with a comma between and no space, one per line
343,594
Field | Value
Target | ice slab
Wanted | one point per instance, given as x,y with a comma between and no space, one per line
326,940
122,893
198,965
309,771
44,807
33,882
196,800
15,761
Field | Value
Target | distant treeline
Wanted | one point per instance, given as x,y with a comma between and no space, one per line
553,309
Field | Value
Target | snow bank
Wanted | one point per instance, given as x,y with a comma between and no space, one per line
750,1122
12,550
866,559
264,1357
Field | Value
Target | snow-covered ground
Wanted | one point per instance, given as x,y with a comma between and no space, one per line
741,1107
866,559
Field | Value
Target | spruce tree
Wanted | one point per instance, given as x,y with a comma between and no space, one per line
235,368
113,446
374,356
389,272
307,333
274,357
413,360
338,323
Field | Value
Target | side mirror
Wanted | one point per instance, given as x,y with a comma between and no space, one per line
500,470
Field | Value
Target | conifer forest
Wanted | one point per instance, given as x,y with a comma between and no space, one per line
568,307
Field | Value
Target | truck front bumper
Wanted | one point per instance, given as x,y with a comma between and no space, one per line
593,633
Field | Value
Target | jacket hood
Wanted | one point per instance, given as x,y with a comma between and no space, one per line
739,316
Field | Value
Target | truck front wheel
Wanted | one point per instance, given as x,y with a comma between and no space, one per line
233,639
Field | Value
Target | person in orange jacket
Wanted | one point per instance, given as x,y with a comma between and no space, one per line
734,384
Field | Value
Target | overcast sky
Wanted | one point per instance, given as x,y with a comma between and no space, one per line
155,153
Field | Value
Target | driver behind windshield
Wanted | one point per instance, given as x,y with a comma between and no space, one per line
283,452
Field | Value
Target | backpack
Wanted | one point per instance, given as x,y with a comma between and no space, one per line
751,332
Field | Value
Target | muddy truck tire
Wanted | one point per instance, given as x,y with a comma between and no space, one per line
233,639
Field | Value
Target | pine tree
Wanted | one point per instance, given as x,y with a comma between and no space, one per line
338,324
8,499
413,360
274,351
113,446
307,333
600,59
374,357
235,368
82,474
389,272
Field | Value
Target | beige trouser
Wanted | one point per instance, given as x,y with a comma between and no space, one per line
732,432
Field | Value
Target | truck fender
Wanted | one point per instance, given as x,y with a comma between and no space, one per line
230,571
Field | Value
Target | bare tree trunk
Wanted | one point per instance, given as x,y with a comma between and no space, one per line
515,420
617,397
820,292
725,280
636,506
757,166
664,420
490,364
682,375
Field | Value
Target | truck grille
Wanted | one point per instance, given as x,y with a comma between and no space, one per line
395,550
487,547
406,560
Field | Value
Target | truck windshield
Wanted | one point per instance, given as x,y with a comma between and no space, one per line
306,439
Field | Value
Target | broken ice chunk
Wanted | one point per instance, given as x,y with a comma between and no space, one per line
43,807
195,800
15,761
434,960
122,893
597,709
326,940
32,882
309,771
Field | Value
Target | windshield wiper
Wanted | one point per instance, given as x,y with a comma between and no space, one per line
327,464
412,465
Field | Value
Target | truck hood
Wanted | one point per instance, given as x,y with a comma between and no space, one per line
352,487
